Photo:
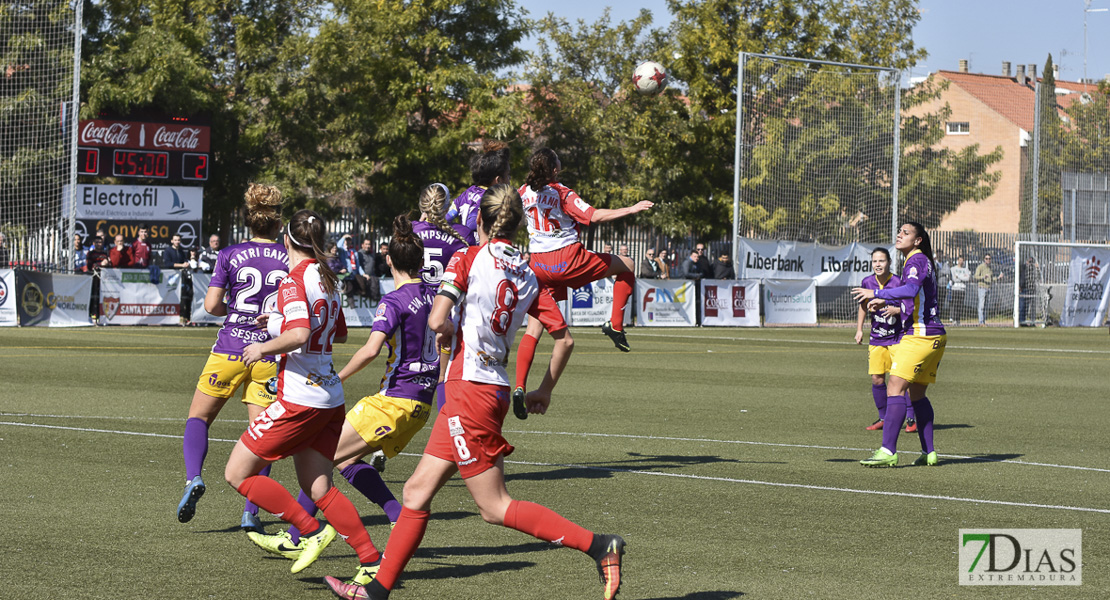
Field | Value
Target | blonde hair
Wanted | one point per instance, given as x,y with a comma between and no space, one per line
263,209
502,211
433,200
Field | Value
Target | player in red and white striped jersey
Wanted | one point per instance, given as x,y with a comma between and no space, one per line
495,289
560,261
306,418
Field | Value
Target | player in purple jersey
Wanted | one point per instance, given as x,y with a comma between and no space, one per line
387,420
248,275
886,327
488,168
916,357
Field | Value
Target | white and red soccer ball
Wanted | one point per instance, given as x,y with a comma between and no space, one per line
649,78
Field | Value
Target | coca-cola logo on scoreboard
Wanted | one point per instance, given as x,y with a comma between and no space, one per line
105,133
184,138
154,136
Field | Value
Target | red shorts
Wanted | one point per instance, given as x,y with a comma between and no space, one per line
468,428
572,267
285,429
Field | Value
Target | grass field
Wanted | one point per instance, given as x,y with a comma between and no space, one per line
726,458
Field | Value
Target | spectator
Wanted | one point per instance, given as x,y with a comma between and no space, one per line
175,257
5,256
607,248
193,259
722,269
622,250
700,249
140,250
368,270
649,267
103,237
984,276
381,268
120,254
1027,288
97,256
961,276
206,260
944,282
79,253
664,265
690,268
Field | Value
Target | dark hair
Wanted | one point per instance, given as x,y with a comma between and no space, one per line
406,250
492,163
541,168
502,211
926,246
884,251
263,209
306,231
433,203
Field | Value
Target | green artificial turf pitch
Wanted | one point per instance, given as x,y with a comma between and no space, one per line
726,458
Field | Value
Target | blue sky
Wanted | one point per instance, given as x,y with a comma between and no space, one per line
986,32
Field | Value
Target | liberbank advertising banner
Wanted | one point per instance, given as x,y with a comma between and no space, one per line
1088,288
666,303
9,317
592,304
166,210
729,303
827,265
358,311
790,302
48,300
128,297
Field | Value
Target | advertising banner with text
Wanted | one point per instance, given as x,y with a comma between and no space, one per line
592,304
666,303
9,316
49,300
128,297
828,265
790,302
1088,288
730,303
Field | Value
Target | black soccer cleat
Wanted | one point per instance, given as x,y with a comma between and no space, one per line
609,565
519,409
618,338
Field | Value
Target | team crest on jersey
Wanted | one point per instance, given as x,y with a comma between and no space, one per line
380,312
111,307
913,273
289,292
581,204
454,426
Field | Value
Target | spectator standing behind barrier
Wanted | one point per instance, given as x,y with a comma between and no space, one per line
95,259
722,269
103,236
961,276
664,271
984,276
649,268
368,269
691,269
1027,288
120,254
140,250
622,250
5,256
206,260
79,253
381,268
176,257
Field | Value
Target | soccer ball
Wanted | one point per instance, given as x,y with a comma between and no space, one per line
649,77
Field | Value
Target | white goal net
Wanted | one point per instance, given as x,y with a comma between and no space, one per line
39,64
1061,284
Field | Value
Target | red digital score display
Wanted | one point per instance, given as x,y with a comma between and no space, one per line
88,161
194,166
140,163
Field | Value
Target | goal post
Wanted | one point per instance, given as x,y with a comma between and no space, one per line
1043,271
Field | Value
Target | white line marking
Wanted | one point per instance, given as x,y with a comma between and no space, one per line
658,474
795,341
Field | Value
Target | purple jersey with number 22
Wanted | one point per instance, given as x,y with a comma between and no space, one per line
250,273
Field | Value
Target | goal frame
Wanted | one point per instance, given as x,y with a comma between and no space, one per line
1018,265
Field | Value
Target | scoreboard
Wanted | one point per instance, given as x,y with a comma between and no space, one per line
177,151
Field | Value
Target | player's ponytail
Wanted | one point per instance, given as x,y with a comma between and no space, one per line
502,211
406,250
492,163
306,235
926,246
433,201
263,209
541,168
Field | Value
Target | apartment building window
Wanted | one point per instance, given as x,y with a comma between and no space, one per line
959,128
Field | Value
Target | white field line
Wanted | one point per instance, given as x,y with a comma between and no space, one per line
796,341
587,434
657,474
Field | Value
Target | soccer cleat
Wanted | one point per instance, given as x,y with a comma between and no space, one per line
313,547
876,426
617,336
609,566
926,460
519,409
911,426
188,505
881,458
251,522
377,460
355,586
280,544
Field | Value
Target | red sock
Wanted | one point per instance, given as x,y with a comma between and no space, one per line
543,523
622,289
525,354
403,542
276,500
344,517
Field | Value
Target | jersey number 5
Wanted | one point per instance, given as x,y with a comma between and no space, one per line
506,300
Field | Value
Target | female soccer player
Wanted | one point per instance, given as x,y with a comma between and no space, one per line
559,260
306,418
248,274
488,168
886,325
387,420
495,288
916,357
